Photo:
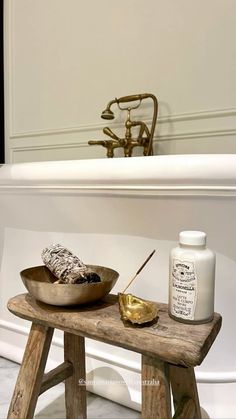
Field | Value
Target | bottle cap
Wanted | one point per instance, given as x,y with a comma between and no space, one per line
194,238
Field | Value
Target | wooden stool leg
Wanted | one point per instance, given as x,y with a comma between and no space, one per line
30,377
156,403
185,394
75,386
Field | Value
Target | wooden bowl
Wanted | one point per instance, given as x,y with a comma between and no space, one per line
38,280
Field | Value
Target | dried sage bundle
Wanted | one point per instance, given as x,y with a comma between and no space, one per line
66,266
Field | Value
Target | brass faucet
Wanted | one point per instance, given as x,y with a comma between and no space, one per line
145,136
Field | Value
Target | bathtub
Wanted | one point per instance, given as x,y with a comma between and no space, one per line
114,212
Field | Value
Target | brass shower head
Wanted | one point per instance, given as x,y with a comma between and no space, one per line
107,114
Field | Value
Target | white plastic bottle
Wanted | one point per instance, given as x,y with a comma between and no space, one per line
191,279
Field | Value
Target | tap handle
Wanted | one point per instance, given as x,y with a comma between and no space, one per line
110,133
131,98
97,142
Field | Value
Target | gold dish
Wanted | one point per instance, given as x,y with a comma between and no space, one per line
136,310
39,280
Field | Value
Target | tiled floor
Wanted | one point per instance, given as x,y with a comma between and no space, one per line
51,404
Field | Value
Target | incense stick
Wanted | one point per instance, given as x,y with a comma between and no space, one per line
139,270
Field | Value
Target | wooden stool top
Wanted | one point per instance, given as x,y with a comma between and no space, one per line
171,341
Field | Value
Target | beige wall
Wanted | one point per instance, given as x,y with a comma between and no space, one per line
66,59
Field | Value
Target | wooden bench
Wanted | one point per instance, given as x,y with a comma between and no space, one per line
170,351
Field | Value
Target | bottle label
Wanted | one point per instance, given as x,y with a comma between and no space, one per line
184,289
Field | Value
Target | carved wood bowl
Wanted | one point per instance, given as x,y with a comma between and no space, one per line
39,281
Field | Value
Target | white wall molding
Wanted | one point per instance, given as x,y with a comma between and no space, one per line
16,151
72,142
203,114
196,134
63,130
107,357
21,153
166,119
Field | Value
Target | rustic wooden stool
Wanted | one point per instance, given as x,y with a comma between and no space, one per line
169,349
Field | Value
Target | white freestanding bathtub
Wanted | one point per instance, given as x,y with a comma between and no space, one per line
114,212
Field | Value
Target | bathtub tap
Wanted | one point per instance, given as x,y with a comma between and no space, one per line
145,136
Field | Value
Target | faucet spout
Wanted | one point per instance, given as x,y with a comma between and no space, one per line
110,145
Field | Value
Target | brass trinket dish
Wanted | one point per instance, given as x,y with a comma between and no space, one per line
135,309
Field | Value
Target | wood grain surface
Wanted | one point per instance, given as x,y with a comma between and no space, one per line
156,401
169,340
75,386
56,376
31,372
183,384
